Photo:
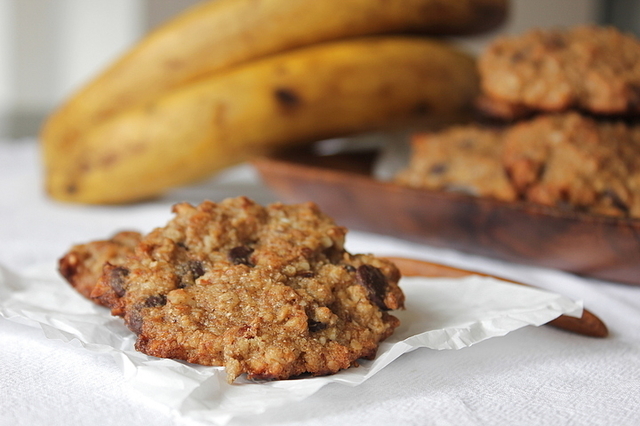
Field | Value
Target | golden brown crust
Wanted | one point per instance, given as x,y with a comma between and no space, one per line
595,69
82,265
269,291
504,111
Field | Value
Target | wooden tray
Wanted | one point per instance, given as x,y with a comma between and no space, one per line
602,247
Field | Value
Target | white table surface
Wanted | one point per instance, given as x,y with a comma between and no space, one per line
536,375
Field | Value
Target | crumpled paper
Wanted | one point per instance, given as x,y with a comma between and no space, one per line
441,313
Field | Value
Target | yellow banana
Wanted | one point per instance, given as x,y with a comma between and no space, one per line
219,34
316,92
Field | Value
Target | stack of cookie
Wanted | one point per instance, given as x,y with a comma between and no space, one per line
566,101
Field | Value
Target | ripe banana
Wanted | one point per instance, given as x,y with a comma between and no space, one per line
219,34
316,92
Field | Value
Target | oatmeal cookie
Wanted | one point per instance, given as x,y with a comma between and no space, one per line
462,159
568,160
82,265
595,69
268,291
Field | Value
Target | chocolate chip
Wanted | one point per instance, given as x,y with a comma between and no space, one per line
240,255
542,170
333,254
134,321
188,272
68,266
116,279
315,326
554,42
374,281
197,268
616,201
634,96
349,268
155,301
438,169
518,56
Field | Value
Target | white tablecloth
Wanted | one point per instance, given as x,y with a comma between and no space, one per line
532,376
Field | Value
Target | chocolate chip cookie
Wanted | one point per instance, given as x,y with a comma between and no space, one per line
464,159
268,291
568,161
576,162
595,69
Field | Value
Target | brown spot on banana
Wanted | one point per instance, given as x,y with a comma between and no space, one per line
220,114
288,98
71,189
421,108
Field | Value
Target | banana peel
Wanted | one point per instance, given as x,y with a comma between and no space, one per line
315,92
218,35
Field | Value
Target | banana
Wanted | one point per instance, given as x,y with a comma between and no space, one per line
307,94
218,34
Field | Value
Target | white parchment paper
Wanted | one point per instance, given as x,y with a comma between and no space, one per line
441,313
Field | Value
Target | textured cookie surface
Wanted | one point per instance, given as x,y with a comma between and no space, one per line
267,291
464,159
564,160
82,265
596,69
573,161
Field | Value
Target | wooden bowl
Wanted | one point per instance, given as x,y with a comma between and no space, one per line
606,248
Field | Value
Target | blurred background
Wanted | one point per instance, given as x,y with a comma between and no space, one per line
50,48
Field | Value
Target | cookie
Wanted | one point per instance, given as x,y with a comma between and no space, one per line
268,291
464,159
576,162
594,69
490,109
82,265
568,161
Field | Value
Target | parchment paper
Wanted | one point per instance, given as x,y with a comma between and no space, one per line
441,314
